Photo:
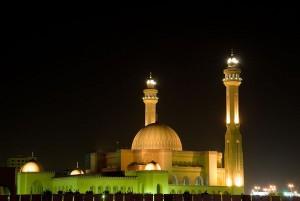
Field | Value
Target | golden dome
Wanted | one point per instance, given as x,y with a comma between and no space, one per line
76,172
157,136
32,166
153,166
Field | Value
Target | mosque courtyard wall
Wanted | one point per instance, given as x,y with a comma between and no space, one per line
143,182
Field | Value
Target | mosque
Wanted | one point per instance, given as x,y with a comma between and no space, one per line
155,163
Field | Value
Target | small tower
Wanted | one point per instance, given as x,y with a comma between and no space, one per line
233,154
150,99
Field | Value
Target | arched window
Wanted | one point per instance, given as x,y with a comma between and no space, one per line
115,189
174,180
123,189
37,187
158,189
100,189
92,188
185,180
219,181
107,189
129,189
199,181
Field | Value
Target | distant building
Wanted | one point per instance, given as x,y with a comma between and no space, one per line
19,161
156,162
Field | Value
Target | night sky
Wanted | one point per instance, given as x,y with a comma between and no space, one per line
72,82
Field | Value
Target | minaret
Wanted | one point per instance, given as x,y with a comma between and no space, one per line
150,100
234,166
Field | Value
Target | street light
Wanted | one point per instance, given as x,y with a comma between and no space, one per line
272,188
291,186
255,190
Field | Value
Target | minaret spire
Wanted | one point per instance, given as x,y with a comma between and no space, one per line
150,99
233,154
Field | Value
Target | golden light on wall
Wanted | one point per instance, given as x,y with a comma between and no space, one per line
238,181
228,118
236,118
228,181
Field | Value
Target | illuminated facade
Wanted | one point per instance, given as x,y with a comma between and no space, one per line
156,162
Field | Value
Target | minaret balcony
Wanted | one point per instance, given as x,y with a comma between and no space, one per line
232,78
150,97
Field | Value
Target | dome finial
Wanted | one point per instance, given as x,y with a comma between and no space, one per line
32,154
150,82
77,166
232,61
117,144
150,75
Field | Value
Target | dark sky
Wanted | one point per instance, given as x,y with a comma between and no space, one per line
72,81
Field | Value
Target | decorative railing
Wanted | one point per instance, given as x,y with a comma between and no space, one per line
143,197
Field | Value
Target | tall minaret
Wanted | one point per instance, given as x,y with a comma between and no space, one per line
150,100
234,166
